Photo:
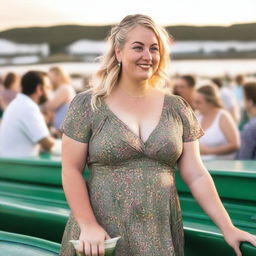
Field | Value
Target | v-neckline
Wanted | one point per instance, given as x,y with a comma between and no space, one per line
107,108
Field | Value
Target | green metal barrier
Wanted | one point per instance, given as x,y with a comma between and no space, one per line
36,170
15,244
236,183
199,242
32,202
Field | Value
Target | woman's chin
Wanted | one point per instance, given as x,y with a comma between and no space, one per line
144,77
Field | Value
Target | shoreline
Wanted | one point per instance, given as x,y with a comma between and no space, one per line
201,67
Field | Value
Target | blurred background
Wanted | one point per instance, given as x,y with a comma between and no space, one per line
209,37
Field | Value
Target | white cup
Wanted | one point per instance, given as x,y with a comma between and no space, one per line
109,245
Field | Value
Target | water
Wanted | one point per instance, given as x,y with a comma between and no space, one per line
211,67
215,67
197,67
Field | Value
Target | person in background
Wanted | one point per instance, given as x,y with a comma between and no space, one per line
62,96
221,138
11,86
248,134
239,94
185,86
23,128
131,133
238,90
228,99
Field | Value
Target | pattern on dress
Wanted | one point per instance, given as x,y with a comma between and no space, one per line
132,183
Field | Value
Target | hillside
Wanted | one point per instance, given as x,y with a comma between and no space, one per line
59,37
71,33
238,32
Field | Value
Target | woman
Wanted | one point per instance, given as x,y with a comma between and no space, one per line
11,88
131,134
63,95
221,138
228,99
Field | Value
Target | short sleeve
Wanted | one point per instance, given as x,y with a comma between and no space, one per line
191,128
34,125
77,122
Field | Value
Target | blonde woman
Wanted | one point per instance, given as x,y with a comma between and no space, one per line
63,95
131,134
221,139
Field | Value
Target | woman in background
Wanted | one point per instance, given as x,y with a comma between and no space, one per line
62,96
221,138
11,85
228,99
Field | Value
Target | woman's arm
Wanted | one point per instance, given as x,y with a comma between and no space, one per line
230,131
60,97
73,163
233,110
202,188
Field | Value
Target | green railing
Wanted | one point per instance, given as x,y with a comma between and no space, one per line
32,202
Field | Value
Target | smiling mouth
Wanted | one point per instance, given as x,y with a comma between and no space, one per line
145,66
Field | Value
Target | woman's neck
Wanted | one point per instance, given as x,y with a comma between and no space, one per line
134,89
210,112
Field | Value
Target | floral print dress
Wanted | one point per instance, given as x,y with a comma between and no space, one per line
132,183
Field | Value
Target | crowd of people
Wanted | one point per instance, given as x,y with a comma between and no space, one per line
226,112
33,108
131,130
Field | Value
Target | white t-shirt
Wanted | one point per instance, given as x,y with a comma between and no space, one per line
214,137
22,126
227,98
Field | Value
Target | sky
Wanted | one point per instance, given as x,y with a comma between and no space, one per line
24,13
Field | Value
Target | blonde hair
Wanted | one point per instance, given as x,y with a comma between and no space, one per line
211,95
109,71
61,73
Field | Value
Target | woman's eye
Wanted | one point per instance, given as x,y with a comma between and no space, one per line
154,49
138,48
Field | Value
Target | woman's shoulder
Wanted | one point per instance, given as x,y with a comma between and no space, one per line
224,114
84,96
82,99
65,88
176,102
225,119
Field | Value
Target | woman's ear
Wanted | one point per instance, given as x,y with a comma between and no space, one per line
118,54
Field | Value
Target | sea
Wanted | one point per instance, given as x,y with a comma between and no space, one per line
204,67
199,68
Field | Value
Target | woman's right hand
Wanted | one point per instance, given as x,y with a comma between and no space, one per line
92,239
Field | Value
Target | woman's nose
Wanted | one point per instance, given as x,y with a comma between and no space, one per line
147,55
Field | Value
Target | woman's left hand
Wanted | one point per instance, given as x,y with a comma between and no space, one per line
234,236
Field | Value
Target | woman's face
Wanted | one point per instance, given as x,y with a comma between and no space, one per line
140,55
54,79
200,103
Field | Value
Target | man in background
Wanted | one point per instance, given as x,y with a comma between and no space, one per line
185,86
23,128
248,135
